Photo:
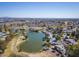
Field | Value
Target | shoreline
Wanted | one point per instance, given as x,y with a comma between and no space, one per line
37,54
16,41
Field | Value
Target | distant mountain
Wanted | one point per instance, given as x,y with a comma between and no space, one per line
7,19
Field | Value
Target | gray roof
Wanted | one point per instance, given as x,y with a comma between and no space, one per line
2,34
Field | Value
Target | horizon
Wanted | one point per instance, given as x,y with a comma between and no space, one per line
40,18
37,17
39,9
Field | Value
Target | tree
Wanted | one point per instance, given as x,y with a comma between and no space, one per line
58,37
73,50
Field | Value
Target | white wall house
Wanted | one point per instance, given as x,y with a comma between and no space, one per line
3,36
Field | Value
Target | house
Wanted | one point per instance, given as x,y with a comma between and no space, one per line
70,41
3,36
53,41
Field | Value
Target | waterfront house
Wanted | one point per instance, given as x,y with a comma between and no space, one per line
3,36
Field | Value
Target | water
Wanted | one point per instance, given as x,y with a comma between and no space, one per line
34,42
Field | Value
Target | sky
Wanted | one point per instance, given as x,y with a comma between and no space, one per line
40,9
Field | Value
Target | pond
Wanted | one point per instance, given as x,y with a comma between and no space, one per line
34,42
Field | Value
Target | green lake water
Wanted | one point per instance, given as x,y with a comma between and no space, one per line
34,42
